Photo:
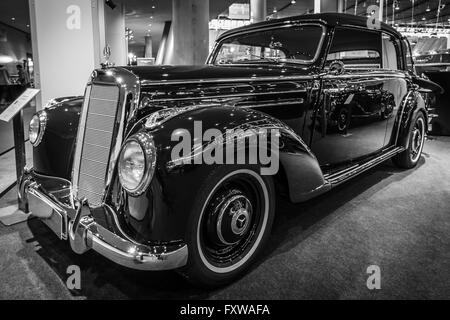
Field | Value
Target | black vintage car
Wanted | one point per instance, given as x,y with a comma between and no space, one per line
339,97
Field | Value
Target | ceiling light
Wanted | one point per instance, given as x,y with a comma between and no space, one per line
110,4
293,2
428,8
274,10
423,18
153,7
13,19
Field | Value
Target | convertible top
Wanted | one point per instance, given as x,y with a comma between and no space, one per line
330,19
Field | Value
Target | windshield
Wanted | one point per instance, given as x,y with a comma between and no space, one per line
299,44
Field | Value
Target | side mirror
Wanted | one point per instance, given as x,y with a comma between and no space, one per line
337,67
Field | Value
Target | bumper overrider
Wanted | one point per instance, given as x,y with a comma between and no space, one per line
51,199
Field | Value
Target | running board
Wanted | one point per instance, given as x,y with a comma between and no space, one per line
346,174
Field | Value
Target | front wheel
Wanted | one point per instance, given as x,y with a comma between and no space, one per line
230,222
413,141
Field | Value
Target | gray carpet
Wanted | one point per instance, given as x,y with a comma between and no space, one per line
398,220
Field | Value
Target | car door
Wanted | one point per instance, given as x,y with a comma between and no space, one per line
349,122
395,83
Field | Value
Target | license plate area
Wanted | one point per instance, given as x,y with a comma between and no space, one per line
52,215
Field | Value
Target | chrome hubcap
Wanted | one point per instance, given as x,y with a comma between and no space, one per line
234,218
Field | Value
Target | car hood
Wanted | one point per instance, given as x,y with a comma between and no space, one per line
211,72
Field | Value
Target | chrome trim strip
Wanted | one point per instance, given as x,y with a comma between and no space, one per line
96,145
99,194
130,84
102,115
90,175
228,80
345,175
336,174
229,96
108,100
79,141
99,130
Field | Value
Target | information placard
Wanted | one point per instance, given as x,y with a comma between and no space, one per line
17,105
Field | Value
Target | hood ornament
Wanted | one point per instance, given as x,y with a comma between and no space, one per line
106,56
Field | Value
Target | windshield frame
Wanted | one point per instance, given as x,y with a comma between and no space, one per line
215,52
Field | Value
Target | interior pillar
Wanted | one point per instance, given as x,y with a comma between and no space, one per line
68,39
321,6
148,47
258,10
188,41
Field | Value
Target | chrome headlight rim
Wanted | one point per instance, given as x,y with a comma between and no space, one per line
42,120
147,145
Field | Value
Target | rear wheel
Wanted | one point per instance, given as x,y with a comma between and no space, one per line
413,141
229,225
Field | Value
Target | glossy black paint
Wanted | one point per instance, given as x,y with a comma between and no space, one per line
54,155
305,102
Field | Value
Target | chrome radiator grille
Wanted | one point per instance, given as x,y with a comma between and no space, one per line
96,145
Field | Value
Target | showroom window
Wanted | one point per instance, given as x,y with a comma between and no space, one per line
357,49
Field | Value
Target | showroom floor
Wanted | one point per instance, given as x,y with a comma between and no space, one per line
398,220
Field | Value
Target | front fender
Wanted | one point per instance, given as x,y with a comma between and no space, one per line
175,184
54,155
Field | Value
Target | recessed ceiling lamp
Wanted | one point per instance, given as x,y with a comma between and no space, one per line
110,4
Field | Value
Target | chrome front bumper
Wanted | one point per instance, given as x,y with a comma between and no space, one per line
73,220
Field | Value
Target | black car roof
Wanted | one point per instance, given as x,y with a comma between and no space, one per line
330,19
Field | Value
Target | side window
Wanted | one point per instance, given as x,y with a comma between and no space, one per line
391,53
358,49
409,60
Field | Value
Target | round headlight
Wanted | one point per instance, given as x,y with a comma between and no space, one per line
37,128
136,163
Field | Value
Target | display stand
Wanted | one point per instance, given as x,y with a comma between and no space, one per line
15,113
